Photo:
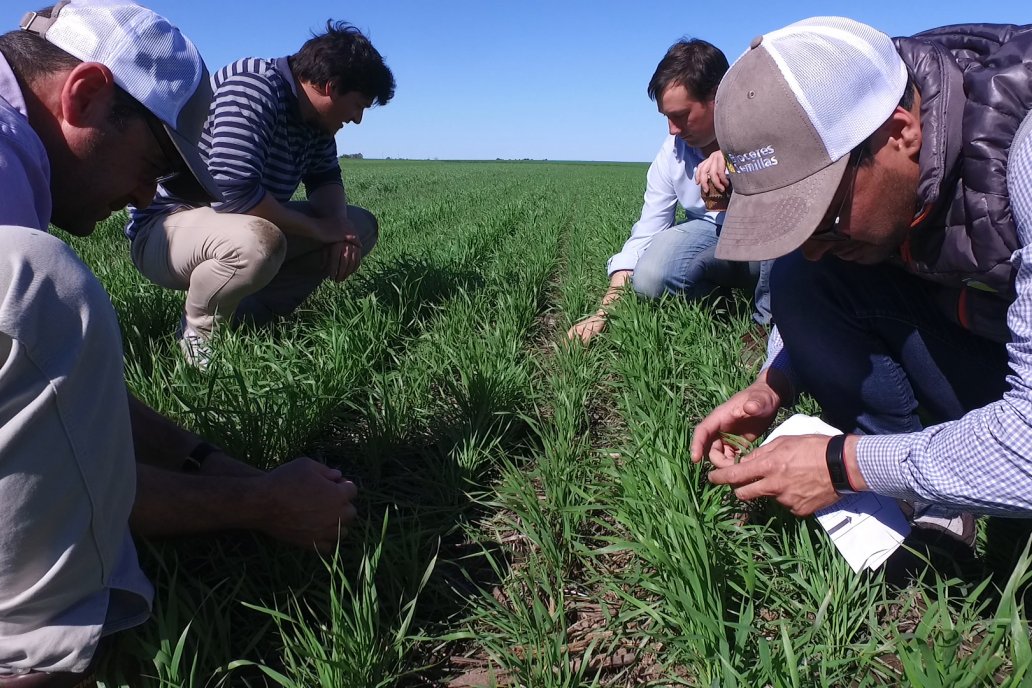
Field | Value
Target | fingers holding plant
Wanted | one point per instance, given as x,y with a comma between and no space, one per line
308,504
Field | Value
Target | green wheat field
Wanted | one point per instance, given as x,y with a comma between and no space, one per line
529,515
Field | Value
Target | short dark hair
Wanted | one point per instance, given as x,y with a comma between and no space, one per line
31,58
693,63
344,57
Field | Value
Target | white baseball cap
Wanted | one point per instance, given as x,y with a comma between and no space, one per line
788,113
152,61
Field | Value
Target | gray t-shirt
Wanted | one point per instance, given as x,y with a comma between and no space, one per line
68,568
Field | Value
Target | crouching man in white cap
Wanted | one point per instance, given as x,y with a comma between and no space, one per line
893,180
101,100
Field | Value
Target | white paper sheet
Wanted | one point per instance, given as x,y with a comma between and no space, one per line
865,527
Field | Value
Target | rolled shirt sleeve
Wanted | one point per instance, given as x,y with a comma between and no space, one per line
670,180
779,360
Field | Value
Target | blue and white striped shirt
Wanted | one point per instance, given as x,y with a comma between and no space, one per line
255,142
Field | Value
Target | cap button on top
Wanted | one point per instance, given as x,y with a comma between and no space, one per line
755,43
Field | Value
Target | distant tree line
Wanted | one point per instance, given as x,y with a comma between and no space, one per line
351,156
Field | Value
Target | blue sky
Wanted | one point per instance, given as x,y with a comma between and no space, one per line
563,80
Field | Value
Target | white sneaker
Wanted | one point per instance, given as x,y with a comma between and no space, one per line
195,347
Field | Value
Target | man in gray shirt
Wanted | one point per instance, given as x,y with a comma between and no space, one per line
85,128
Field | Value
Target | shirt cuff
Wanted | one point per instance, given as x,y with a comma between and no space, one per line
882,460
779,360
621,261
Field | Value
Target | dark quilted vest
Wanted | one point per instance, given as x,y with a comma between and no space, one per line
976,88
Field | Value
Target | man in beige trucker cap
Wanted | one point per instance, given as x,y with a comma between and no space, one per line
100,100
892,179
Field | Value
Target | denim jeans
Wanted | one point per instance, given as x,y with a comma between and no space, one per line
873,347
680,260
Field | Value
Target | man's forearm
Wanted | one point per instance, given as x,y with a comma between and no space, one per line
161,443
175,503
617,281
157,440
302,502
975,463
779,382
330,200
291,221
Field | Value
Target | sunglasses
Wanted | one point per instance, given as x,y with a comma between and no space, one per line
173,161
833,232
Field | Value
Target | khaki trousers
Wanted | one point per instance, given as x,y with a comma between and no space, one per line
234,266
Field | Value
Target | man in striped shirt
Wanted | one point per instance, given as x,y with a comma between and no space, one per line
258,254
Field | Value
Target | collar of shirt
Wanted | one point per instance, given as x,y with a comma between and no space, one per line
9,88
283,67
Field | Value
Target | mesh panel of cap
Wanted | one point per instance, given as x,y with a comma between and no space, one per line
147,56
846,75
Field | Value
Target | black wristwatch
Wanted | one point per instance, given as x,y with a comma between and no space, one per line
837,465
195,459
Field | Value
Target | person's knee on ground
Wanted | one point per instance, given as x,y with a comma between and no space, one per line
655,275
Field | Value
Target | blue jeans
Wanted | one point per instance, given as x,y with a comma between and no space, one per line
680,260
871,344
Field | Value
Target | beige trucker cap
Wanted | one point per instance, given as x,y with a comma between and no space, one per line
788,113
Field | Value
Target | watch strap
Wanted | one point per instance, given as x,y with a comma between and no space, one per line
195,459
837,465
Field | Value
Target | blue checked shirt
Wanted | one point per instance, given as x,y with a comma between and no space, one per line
983,461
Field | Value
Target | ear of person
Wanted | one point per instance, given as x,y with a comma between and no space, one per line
905,132
87,94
